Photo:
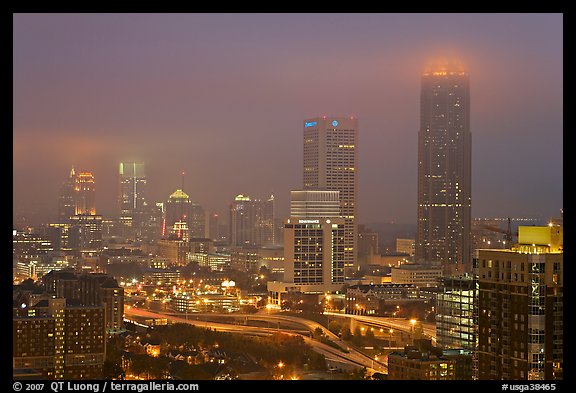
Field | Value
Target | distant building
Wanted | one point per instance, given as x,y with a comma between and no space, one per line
521,309
135,214
313,255
251,259
330,162
85,233
175,250
214,226
67,198
371,299
85,193
251,222
215,261
405,246
177,208
367,245
444,169
422,275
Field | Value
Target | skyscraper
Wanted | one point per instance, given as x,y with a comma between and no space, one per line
131,195
251,221
178,208
67,199
444,169
330,163
85,192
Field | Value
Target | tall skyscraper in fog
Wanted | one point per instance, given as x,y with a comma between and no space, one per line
251,221
131,192
444,169
330,163
85,192
67,198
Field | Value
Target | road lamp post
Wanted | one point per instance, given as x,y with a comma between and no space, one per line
391,331
327,308
412,331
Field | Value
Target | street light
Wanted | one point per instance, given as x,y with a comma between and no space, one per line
413,322
391,331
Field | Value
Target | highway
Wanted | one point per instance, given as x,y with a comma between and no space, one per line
346,354
400,324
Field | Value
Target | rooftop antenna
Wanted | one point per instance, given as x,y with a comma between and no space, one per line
183,173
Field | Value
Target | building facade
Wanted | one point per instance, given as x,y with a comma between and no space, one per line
132,204
457,312
520,302
331,163
444,169
251,222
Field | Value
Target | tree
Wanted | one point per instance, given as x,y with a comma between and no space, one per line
318,332
357,339
369,336
335,327
346,334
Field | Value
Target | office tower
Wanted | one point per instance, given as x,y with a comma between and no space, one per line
314,246
520,307
67,198
444,169
265,221
457,312
85,233
85,193
197,221
214,226
132,197
242,221
251,221
178,208
330,163
314,253
367,245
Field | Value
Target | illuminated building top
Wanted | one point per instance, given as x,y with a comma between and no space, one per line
179,194
443,67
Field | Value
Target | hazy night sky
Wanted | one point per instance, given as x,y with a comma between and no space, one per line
223,98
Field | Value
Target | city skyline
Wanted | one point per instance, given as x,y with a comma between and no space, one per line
215,97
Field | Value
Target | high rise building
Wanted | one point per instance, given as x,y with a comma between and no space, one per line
444,169
178,208
266,216
85,233
314,246
197,220
330,163
85,192
520,307
132,195
67,198
251,221
214,226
